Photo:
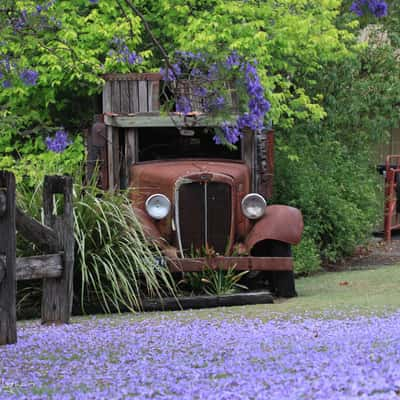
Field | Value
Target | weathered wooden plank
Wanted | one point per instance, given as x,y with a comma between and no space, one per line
115,96
149,96
110,158
146,76
117,159
158,121
36,267
270,160
143,100
125,100
58,293
225,263
248,155
97,152
130,149
107,97
8,318
43,236
134,97
195,302
155,95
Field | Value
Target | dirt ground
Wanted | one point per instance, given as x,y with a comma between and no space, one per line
376,253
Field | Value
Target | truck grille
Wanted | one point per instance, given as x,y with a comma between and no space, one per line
204,215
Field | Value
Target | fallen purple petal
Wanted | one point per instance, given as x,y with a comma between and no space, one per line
175,357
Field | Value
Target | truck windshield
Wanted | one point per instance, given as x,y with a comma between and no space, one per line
170,143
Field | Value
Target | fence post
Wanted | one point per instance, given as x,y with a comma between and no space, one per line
58,293
8,319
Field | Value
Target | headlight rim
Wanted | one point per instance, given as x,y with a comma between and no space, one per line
244,211
151,197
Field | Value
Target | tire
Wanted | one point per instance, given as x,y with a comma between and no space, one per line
281,283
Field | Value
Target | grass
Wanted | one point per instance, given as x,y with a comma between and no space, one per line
346,293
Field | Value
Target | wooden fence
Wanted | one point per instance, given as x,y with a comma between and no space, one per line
56,238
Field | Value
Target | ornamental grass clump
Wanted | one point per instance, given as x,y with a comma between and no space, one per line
116,263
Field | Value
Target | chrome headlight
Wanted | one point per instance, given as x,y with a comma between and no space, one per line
253,205
158,206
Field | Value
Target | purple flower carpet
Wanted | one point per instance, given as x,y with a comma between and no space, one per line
177,356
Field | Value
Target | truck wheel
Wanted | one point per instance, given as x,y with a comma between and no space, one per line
281,282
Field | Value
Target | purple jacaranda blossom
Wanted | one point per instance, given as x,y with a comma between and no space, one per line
357,7
200,91
230,132
59,142
378,8
29,77
123,54
171,73
180,356
233,60
183,105
219,102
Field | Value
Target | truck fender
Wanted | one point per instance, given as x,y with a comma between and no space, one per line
279,222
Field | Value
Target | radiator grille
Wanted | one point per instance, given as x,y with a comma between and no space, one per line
204,215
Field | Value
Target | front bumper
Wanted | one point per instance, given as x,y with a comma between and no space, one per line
238,263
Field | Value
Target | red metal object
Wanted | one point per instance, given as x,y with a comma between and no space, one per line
280,223
239,263
392,180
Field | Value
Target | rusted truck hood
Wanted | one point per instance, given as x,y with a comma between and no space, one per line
161,176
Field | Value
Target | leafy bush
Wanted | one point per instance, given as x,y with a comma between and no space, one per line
307,259
327,168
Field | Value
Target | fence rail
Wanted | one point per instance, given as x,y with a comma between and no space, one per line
56,237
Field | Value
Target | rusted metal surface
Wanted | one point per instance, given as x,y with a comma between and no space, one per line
281,223
239,263
166,177
205,215
392,196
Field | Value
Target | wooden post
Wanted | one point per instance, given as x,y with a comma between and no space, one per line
8,318
58,293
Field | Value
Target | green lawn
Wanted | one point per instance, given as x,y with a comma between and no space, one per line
352,292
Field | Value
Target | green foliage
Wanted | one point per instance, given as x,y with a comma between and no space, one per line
327,168
213,281
290,40
306,254
31,161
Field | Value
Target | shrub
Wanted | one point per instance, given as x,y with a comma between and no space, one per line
327,168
